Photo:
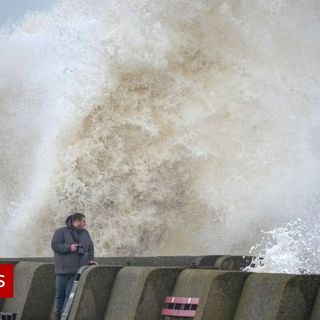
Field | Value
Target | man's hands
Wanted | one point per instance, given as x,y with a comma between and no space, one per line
74,247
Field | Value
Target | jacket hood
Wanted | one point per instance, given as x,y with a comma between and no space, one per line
69,224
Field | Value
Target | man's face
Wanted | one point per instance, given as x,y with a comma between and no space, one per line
80,224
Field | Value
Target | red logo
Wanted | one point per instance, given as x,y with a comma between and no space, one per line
6,280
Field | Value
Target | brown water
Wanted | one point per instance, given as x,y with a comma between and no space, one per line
179,127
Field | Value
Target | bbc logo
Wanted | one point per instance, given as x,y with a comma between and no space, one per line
6,280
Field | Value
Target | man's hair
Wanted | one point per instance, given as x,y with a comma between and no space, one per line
77,216
74,217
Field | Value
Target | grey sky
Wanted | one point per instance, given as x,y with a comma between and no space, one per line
14,10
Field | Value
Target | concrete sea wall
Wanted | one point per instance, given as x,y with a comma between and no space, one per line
127,288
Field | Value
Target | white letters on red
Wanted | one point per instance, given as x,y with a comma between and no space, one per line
2,282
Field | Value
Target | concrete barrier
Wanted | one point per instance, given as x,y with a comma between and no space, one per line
139,293
16,260
33,291
316,308
277,297
157,261
160,261
235,263
219,292
93,293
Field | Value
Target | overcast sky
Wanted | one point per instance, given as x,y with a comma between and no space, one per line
14,10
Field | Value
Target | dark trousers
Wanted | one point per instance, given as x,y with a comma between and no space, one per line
64,284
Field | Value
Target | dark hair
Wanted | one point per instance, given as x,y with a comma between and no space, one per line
77,216
74,217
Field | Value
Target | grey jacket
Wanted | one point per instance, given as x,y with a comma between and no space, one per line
65,261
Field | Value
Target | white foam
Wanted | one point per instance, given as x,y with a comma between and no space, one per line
179,127
293,248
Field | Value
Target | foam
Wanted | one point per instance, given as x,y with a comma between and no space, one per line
182,127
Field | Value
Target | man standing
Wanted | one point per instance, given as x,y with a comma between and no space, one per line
73,248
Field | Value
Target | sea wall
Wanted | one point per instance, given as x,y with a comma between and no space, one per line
138,292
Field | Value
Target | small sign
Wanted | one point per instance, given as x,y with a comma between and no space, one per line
180,307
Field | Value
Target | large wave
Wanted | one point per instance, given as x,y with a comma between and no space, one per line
179,127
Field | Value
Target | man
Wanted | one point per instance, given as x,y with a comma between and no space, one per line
73,248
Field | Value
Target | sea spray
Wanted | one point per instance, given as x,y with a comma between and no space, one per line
179,127
292,248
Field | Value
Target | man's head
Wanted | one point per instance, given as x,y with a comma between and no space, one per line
78,220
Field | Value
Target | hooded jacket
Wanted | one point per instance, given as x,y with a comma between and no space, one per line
65,261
